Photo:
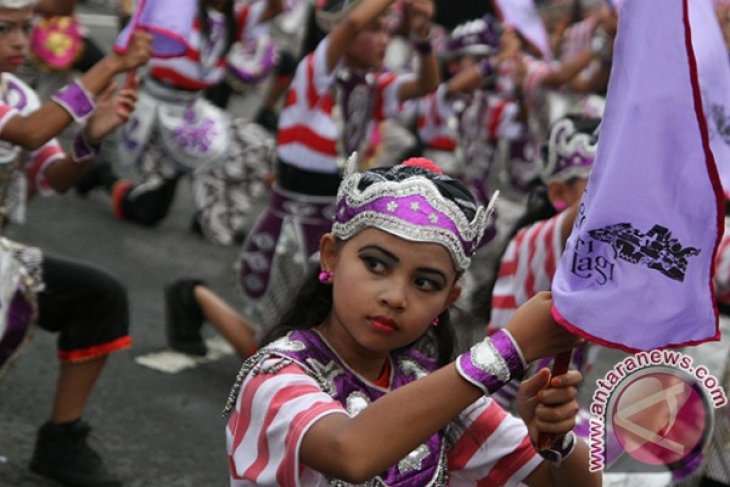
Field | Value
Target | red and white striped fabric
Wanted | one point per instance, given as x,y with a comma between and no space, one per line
309,135
722,267
274,411
527,267
19,98
577,37
189,72
434,114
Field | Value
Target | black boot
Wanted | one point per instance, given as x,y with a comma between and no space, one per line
268,119
62,454
99,176
184,317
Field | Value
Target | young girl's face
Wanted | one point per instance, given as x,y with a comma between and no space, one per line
386,290
15,25
368,49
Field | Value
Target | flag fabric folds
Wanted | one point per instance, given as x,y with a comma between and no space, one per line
637,269
522,16
169,21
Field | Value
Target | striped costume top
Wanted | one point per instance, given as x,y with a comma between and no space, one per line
311,121
527,267
18,98
204,63
298,380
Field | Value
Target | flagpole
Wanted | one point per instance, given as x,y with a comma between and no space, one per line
560,367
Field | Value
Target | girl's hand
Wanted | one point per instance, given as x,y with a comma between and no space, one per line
420,13
112,110
550,411
138,52
536,332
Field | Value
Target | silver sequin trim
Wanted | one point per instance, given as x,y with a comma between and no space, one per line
486,357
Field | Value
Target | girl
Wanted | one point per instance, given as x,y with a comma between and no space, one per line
334,398
537,242
337,92
175,131
86,306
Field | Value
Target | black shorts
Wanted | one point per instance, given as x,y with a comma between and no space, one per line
86,306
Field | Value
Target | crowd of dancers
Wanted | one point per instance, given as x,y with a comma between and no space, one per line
408,159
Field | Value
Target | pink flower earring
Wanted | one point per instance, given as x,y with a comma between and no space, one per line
325,277
435,321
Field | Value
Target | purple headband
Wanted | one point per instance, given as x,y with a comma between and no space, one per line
478,37
412,209
569,153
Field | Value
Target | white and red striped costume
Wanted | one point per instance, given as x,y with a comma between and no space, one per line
18,98
200,67
433,122
309,131
722,267
527,267
274,411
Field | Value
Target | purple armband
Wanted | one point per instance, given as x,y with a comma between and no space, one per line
486,68
559,450
422,45
491,363
75,100
81,150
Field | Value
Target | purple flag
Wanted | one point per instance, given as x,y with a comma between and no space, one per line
523,17
637,270
711,52
169,21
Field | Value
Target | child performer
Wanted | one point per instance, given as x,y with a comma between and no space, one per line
175,131
537,242
86,306
337,92
358,385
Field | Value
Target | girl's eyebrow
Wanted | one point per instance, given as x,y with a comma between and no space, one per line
377,248
391,256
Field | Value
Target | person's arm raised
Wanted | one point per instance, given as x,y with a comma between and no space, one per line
420,13
343,34
343,447
75,101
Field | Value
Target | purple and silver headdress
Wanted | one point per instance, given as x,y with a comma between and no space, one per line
479,37
413,209
569,152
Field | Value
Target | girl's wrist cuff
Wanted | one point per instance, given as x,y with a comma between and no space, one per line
75,100
492,362
83,151
559,450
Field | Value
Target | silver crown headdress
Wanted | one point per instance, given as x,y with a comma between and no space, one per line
412,209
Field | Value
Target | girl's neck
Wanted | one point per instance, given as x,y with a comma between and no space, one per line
367,363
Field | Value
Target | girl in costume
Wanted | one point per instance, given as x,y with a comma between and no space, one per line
358,386
86,306
536,243
337,92
175,131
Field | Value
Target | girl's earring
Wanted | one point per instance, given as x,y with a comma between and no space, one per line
435,321
560,205
325,277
